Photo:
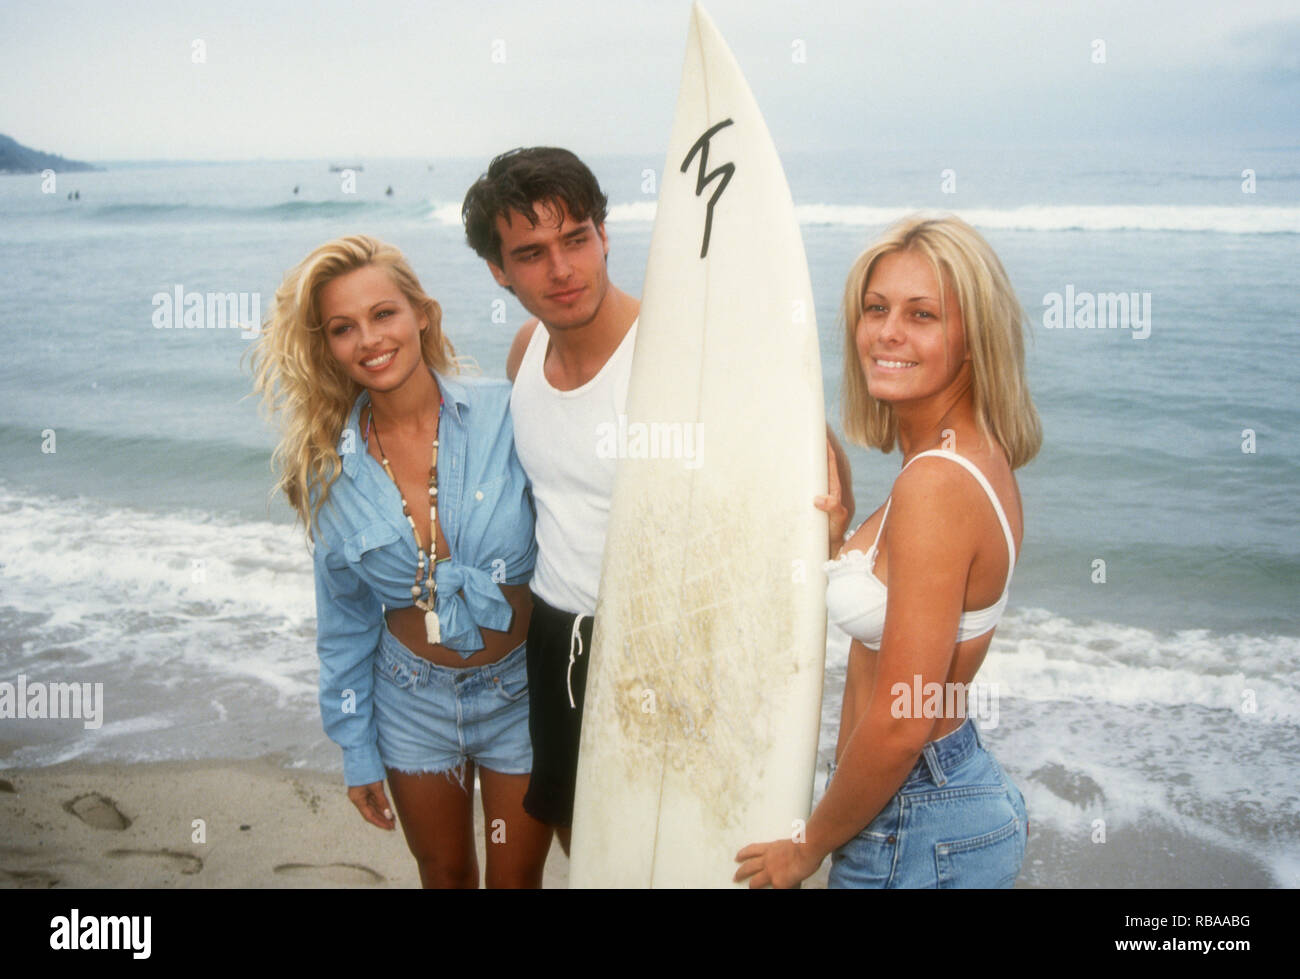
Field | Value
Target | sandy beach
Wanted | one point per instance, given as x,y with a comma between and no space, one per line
133,826
263,826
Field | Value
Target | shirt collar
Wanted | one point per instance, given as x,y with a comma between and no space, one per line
453,393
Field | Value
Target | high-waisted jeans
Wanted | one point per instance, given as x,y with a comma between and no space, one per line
956,821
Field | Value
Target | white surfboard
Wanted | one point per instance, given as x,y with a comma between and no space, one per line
705,681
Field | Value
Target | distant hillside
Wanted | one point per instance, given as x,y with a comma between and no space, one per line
17,158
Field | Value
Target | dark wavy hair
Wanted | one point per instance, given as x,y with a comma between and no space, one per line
519,180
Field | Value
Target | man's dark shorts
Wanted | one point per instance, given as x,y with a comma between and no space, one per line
553,724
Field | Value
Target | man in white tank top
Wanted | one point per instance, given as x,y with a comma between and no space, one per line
537,217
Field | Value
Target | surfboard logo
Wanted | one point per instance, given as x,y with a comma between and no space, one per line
703,179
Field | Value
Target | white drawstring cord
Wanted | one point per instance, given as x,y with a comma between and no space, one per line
574,640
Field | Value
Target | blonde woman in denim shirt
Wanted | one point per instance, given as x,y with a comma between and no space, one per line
354,360
933,363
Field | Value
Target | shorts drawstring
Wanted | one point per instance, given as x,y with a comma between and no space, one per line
574,640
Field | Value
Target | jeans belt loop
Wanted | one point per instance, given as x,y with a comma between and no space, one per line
932,760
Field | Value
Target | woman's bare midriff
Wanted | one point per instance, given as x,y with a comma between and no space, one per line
860,682
407,624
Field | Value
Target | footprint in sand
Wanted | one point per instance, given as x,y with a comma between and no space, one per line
185,863
343,874
26,878
98,811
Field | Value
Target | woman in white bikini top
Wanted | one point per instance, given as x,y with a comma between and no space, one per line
856,599
933,363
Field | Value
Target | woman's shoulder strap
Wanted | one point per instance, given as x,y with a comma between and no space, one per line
974,470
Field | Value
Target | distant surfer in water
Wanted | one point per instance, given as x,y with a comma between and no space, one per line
405,474
933,362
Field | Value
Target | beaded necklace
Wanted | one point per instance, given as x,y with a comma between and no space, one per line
431,626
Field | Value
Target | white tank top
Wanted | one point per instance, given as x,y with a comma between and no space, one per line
556,437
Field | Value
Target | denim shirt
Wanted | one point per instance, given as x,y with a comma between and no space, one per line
365,555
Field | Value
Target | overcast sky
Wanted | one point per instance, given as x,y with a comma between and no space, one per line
291,80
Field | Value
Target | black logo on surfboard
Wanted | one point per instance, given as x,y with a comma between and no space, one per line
703,178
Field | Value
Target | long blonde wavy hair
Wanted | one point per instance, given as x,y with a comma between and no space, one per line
301,382
994,324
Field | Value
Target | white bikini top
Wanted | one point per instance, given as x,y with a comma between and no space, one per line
855,597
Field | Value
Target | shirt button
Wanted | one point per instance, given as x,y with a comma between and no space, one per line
478,495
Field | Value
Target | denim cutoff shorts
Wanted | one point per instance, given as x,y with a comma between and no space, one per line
956,821
433,718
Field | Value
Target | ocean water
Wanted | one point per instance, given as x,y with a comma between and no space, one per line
1146,674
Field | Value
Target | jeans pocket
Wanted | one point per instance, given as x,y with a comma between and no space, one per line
870,859
394,672
991,859
511,680
866,861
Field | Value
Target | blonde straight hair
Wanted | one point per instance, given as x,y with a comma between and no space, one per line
993,321
301,382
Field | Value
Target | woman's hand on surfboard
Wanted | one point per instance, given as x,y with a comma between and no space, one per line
781,863
832,503
373,804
